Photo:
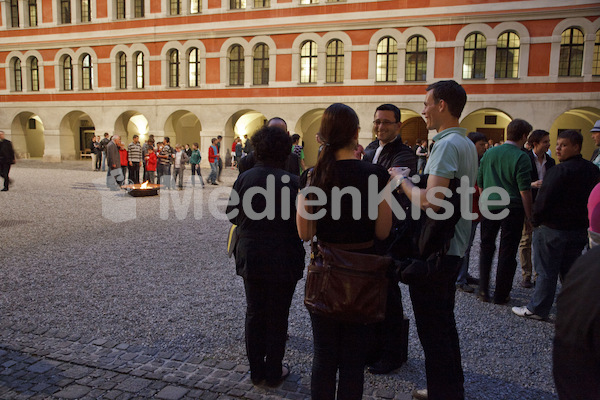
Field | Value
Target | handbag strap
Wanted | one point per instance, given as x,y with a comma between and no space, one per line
349,246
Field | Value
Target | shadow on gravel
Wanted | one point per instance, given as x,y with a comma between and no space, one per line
484,387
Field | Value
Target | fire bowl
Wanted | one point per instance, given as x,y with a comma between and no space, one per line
140,189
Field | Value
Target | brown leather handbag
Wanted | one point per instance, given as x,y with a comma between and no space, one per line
347,286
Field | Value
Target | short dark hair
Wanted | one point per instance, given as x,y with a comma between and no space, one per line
271,145
105,134
573,136
167,139
277,119
452,93
517,128
295,138
537,136
476,137
135,136
219,137
195,144
390,107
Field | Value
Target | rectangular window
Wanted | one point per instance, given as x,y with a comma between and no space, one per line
262,3
33,20
86,11
14,13
139,8
237,4
65,11
120,9
195,6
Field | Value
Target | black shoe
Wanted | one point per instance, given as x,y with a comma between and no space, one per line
4,190
502,302
483,296
285,372
383,367
472,281
463,287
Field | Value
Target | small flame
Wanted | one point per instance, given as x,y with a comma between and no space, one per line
144,185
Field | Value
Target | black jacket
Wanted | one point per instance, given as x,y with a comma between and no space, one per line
534,173
292,164
562,200
7,153
267,250
394,154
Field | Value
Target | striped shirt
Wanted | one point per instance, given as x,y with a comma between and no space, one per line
135,152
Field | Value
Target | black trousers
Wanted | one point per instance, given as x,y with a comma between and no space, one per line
134,172
338,346
511,229
4,170
433,305
576,372
387,342
267,311
98,160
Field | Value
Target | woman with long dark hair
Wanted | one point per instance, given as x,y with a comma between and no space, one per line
340,346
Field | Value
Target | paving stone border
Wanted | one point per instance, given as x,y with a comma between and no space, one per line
49,364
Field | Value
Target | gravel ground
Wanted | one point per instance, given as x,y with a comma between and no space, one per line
154,272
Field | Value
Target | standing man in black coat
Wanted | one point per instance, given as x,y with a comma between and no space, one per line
388,151
7,158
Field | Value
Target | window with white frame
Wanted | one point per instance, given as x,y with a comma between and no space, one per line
308,62
86,10
571,53
138,7
475,52
237,4
387,60
120,9
65,11
261,65
122,70
175,7
416,59
67,69
33,17
596,64
236,65
139,70
14,13
34,74
334,62
87,72
194,67
507,55
18,75
174,68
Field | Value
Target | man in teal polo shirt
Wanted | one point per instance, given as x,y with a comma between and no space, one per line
453,156
504,167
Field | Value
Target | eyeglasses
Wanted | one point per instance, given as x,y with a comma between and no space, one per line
384,122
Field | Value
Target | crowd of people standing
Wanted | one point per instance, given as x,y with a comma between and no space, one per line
540,200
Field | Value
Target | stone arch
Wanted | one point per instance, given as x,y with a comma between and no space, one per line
27,135
581,119
307,127
241,123
492,128
75,132
131,123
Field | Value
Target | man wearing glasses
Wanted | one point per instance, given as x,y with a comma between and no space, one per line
389,345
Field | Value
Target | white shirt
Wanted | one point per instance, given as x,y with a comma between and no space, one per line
377,153
178,159
541,167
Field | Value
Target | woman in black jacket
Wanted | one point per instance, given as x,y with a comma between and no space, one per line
269,254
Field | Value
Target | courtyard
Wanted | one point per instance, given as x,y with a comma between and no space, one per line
103,295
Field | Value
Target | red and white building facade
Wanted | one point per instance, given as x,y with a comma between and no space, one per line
195,69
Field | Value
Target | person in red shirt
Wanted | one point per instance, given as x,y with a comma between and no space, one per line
151,164
124,159
213,159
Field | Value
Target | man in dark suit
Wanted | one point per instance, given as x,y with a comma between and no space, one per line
541,162
388,150
7,158
596,137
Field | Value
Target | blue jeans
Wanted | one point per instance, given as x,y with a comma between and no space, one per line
554,251
464,268
214,170
104,161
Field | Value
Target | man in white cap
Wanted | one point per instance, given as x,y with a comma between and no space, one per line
596,136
